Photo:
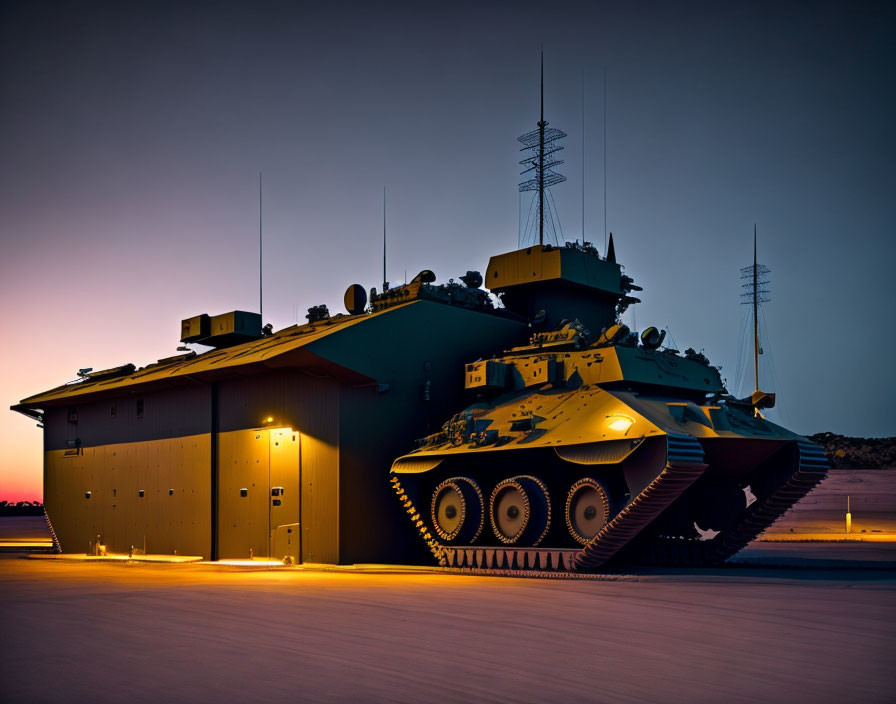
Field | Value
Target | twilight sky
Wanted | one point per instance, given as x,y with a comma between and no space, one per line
132,134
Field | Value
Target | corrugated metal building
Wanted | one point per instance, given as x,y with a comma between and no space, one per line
279,446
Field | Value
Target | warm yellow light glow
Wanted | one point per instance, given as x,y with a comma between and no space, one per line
620,424
256,562
269,419
17,543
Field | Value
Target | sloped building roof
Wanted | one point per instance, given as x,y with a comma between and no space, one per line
292,347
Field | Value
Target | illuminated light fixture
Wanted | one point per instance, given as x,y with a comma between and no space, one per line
268,420
619,424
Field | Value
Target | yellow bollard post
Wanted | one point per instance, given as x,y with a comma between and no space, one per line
848,517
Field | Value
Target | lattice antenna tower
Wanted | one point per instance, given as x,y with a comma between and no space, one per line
755,285
543,148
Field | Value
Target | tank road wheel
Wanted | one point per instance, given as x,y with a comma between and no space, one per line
457,510
520,511
587,509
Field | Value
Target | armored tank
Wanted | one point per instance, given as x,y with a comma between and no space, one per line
593,445
585,450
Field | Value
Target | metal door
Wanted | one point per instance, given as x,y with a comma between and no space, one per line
284,494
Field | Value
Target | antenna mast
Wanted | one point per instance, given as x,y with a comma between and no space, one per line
583,156
542,146
385,283
755,314
755,292
260,258
541,126
605,158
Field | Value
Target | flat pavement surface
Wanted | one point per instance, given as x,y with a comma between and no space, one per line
821,514
91,632
24,533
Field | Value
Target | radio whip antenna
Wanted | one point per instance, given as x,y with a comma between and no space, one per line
605,158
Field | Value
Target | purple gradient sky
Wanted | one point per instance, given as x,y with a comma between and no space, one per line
133,134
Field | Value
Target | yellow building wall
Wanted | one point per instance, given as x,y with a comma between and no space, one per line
320,500
174,513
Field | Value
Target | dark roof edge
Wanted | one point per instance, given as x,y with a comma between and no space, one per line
28,410
299,359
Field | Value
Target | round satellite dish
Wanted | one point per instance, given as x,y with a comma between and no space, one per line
652,338
473,279
355,299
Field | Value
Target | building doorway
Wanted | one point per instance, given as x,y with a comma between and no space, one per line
259,494
285,494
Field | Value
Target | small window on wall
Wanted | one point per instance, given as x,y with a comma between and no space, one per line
139,407
113,411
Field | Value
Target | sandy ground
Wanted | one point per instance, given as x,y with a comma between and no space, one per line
872,498
112,633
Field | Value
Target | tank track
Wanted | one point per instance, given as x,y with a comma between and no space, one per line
788,486
438,551
684,465
57,546
811,468
492,560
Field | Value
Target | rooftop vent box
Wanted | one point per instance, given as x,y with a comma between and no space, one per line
232,328
195,328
